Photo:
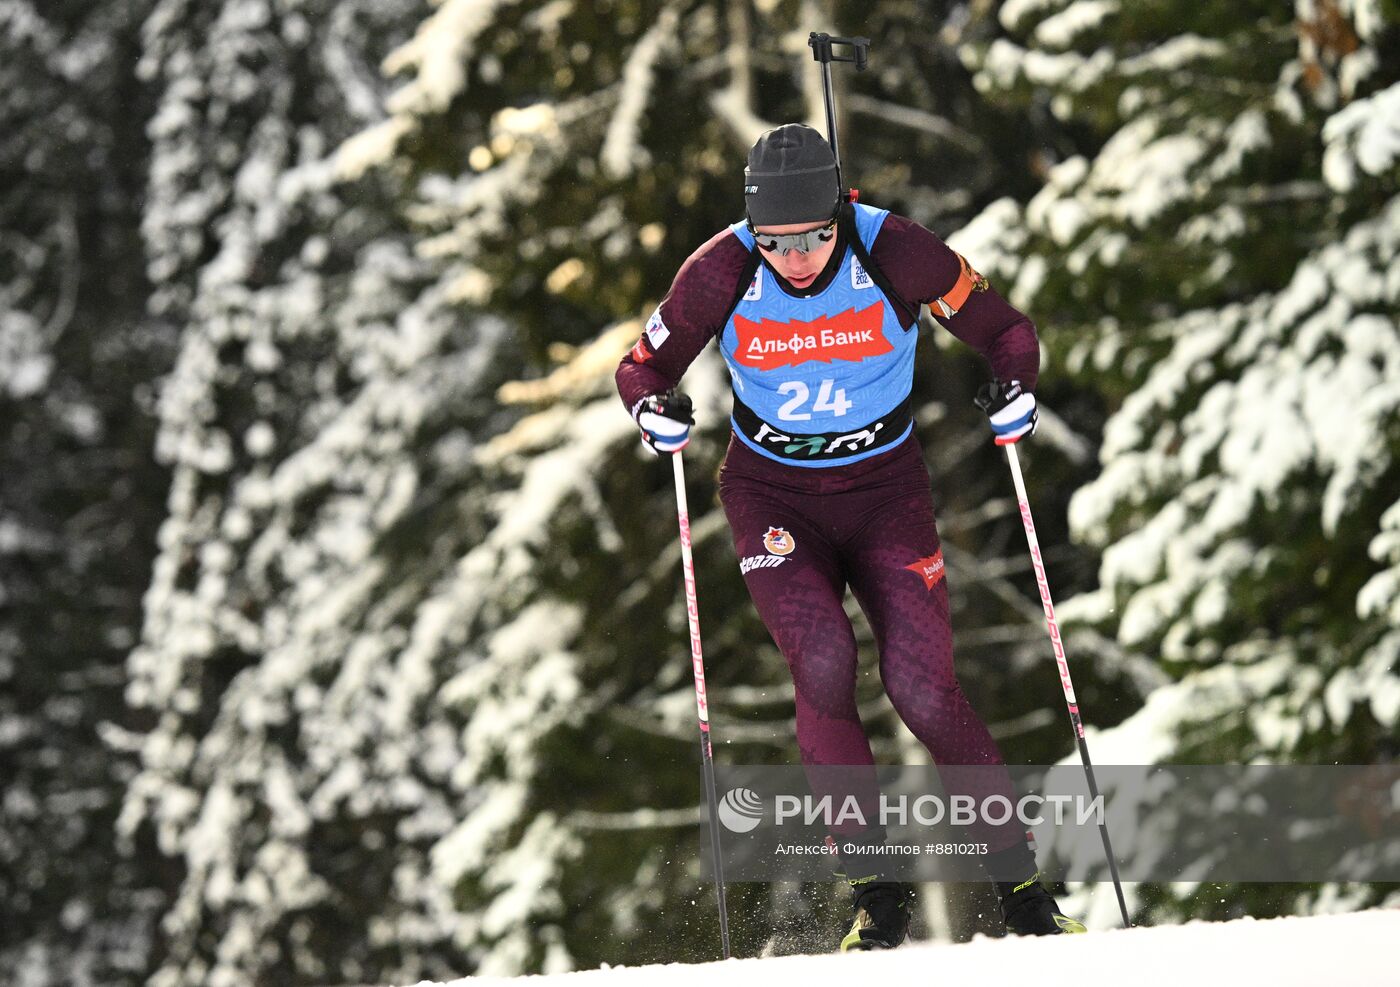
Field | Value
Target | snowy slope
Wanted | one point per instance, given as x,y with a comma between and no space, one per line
1332,950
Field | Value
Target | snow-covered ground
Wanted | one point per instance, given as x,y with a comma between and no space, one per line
1331,950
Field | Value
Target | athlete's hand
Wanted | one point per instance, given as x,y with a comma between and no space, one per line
1010,409
665,420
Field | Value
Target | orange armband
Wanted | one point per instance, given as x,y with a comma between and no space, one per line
968,281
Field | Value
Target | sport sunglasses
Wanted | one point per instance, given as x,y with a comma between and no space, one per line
786,243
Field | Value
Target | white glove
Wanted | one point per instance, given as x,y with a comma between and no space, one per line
665,420
1010,410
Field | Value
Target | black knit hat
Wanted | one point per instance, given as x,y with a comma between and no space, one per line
791,178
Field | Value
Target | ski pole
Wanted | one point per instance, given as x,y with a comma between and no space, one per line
1065,682
697,663
821,45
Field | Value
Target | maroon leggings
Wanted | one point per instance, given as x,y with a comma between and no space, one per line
803,536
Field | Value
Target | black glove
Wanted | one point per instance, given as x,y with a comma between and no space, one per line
1010,409
665,420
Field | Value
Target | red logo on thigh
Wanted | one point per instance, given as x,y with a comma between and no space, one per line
778,541
930,569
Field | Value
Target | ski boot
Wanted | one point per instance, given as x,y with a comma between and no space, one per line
1029,910
882,914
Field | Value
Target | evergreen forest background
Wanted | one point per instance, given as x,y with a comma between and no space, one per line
341,633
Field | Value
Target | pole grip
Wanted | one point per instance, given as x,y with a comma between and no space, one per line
823,49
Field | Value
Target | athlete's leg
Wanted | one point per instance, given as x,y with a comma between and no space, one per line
895,565
792,575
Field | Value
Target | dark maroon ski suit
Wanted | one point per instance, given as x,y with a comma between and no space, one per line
803,535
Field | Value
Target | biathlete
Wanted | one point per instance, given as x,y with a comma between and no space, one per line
814,302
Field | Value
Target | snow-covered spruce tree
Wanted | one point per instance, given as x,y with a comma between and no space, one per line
550,190
566,161
80,494
1218,256
295,766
